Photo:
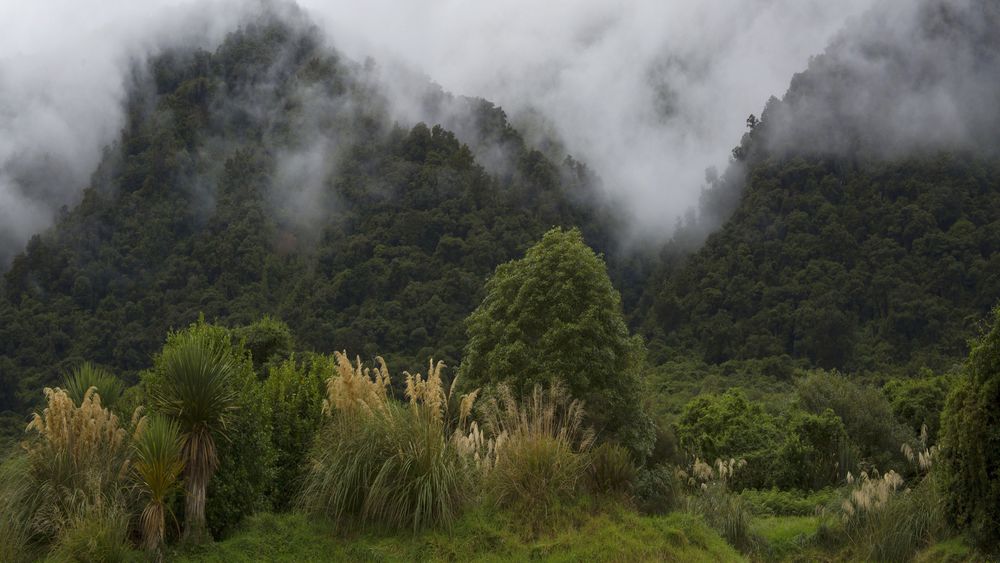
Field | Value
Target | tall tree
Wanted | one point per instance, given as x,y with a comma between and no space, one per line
195,389
554,315
970,443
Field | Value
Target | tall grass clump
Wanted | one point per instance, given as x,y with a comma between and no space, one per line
722,509
17,500
611,471
96,530
885,521
77,455
378,461
540,450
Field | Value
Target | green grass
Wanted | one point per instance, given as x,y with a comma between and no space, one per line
618,535
785,536
954,550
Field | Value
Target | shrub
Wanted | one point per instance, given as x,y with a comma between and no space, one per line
918,402
657,490
295,392
970,443
731,426
611,471
815,452
384,463
775,502
541,450
865,412
207,383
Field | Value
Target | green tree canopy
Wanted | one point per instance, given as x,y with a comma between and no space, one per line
555,315
970,443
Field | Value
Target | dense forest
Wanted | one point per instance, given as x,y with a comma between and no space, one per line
225,338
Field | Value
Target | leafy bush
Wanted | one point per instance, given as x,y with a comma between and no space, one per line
918,402
970,443
731,426
611,471
295,392
207,383
384,463
815,452
657,490
775,502
865,412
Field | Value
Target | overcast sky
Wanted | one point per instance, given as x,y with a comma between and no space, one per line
648,92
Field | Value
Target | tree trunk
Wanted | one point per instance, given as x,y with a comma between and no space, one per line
194,506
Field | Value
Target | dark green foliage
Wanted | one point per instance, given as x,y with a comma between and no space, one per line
775,502
194,212
268,340
970,443
241,484
554,315
848,264
657,490
295,390
866,414
815,453
729,426
918,402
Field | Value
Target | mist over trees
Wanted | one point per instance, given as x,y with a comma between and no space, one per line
282,310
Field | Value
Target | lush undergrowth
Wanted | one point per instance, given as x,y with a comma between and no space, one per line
617,535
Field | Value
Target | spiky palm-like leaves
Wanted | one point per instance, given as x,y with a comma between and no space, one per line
87,375
157,464
196,391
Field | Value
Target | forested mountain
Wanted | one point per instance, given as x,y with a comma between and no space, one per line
868,233
267,177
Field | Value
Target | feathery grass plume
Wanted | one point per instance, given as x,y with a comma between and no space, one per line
723,510
73,448
197,392
882,521
158,464
87,375
540,449
354,386
386,463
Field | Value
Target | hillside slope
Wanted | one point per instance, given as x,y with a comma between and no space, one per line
268,177
868,232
